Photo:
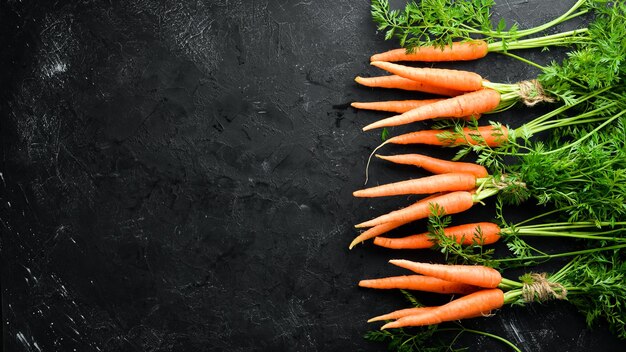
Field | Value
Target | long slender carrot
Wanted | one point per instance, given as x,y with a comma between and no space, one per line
402,313
383,228
436,166
402,106
461,51
451,79
477,275
420,283
483,233
425,185
397,82
468,104
478,303
483,135
451,203
398,106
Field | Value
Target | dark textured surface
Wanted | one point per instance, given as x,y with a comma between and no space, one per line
177,176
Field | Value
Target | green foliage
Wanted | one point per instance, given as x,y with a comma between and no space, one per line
384,135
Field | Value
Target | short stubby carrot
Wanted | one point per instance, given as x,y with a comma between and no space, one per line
477,275
397,82
450,79
484,135
450,203
436,166
475,304
383,228
447,182
459,51
482,233
418,283
468,104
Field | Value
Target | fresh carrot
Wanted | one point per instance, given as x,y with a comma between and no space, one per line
450,203
468,104
483,233
460,51
418,282
397,106
477,275
397,82
424,185
402,106
451,79
402,313
383,228
436,166
478,303
483,135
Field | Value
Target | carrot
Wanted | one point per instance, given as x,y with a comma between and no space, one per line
483,233
477,275
380,229
394,81
451,79
397,106
425,185
418,282
483,135
436,166
451,203
468,104
461,51
402,313
478,303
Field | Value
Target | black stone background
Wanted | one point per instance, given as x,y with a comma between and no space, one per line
177,176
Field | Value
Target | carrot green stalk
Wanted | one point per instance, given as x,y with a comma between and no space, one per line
398,82
420,283
476,275
436,166
475,304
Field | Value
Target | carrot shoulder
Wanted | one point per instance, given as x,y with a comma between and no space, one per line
419,283
461,51
468,104
483,233
450,203
475,304
436,166
450,79
476,275
425,185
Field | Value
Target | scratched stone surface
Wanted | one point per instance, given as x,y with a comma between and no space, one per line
177,176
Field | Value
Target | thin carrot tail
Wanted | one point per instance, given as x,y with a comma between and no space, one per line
369,159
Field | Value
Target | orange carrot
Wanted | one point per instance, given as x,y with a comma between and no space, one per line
436,166
398,106
468,104
482,233
451,203
451,79
483,135
478,303
383,228
402,106
394,81
402,313
418,282
425,185
477,275
461,51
